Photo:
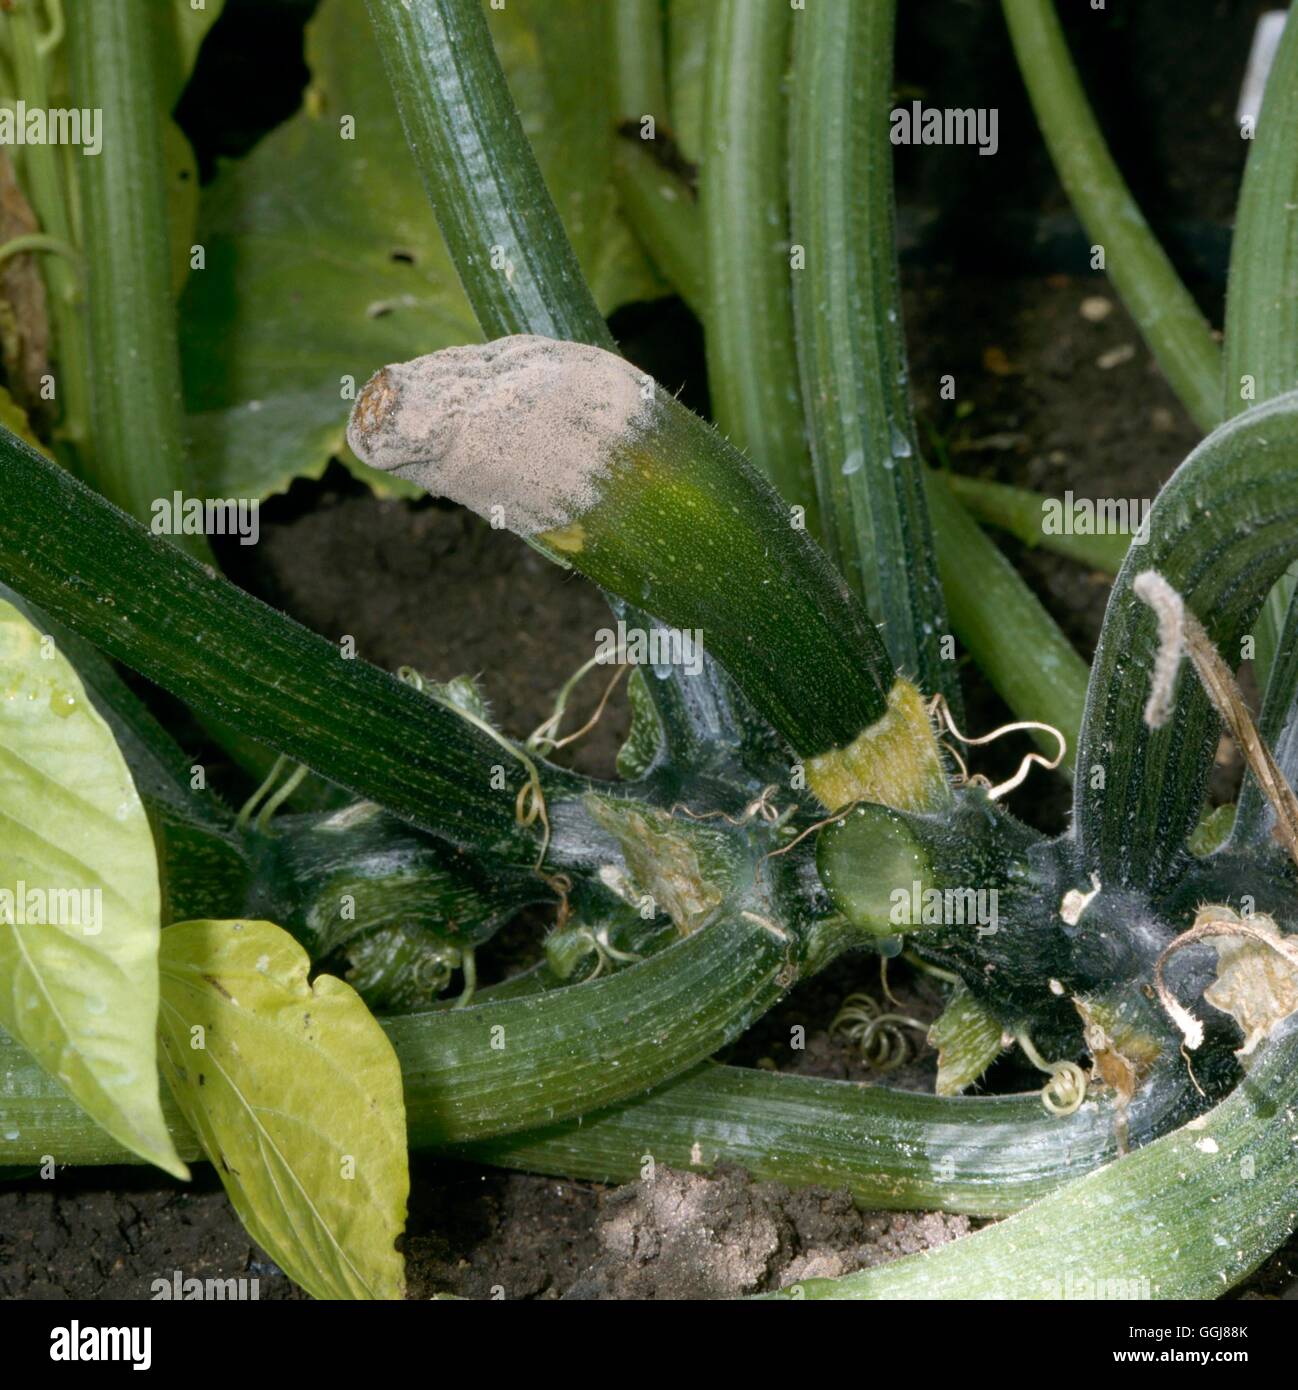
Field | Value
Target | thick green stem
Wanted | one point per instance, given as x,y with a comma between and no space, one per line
135,394
1222,531
892,1150
1188,1216
514,1064
1020,512
659,204
1261,347
45,187
1167,316
227,654
687,529
483,180
1016,643
851,348
662,209
1261,344
982,588
639,77
752,361
566,1053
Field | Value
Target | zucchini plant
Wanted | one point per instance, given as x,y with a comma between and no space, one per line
795,793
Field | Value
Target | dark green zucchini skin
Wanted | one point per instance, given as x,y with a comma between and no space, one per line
203,869
361,886
892,1150
1108,953
688,529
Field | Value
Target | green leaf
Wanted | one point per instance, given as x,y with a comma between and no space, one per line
295,1095
81,993
178,32
181,174
324,261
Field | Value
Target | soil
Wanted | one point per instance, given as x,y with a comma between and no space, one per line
1060,399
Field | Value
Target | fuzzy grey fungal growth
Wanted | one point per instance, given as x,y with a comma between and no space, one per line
1169,608
524,424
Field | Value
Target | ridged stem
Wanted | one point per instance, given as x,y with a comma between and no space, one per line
480,173
1260,355
892,1150
1221,532
512,1064
981,587
1168,318
1187,1216
134,361
851,348
228,654
752,361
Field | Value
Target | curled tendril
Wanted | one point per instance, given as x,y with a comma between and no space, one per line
1066,1089
939,710
759,808
607,956
529,805
544,739
879,1035
1064,1093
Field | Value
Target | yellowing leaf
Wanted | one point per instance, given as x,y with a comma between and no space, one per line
1257,982
295,1095
1123,1050
178,30
79,900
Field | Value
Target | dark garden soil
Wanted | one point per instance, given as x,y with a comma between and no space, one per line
1064,395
